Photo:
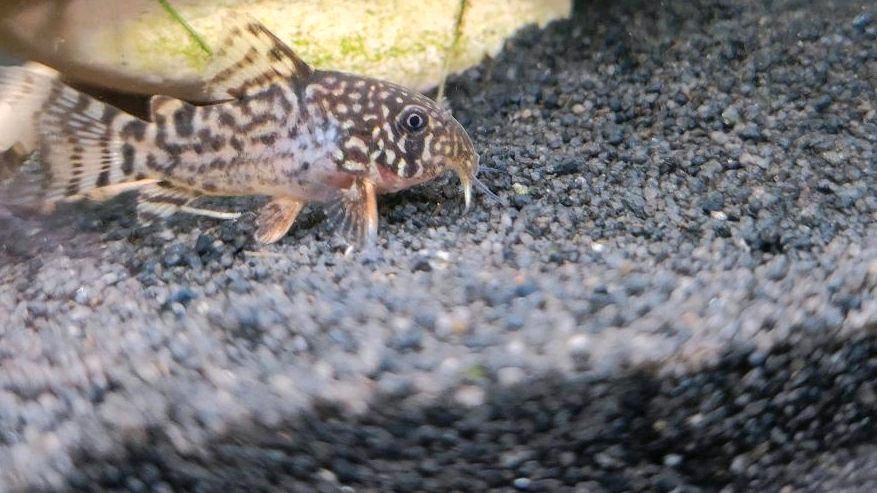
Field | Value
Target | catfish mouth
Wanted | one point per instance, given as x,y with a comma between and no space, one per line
390,181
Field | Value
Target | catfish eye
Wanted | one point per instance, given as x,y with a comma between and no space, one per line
415,120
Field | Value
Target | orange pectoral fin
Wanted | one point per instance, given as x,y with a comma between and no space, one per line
370,213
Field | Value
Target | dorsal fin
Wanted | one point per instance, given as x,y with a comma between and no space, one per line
250,59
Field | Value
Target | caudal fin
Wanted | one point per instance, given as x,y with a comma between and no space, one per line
23,93
82,143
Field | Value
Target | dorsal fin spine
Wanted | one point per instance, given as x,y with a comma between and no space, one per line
250,59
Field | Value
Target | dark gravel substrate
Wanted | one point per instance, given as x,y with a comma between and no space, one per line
679,294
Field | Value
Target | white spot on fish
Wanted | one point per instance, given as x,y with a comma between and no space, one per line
427,148
356,143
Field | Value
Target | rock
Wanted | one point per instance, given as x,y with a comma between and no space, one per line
151,53
862,21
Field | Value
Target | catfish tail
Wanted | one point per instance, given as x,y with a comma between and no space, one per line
82,143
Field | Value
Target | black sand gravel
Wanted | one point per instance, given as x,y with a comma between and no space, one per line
678,295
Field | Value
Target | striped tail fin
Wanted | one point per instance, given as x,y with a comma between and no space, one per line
83,144
22,95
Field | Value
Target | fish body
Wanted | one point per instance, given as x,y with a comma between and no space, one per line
278,128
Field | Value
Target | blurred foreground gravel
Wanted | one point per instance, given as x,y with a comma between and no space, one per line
679,294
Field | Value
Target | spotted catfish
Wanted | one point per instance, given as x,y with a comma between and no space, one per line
278,128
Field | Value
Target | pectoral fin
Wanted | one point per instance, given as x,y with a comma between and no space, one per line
355,213
275,219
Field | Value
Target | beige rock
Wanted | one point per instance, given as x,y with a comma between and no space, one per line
137,46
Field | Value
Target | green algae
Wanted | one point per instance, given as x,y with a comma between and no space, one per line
192,33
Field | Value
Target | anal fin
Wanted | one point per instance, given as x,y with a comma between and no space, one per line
355,213
163,199
275,219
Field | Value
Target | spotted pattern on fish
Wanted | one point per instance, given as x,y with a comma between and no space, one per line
278,128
